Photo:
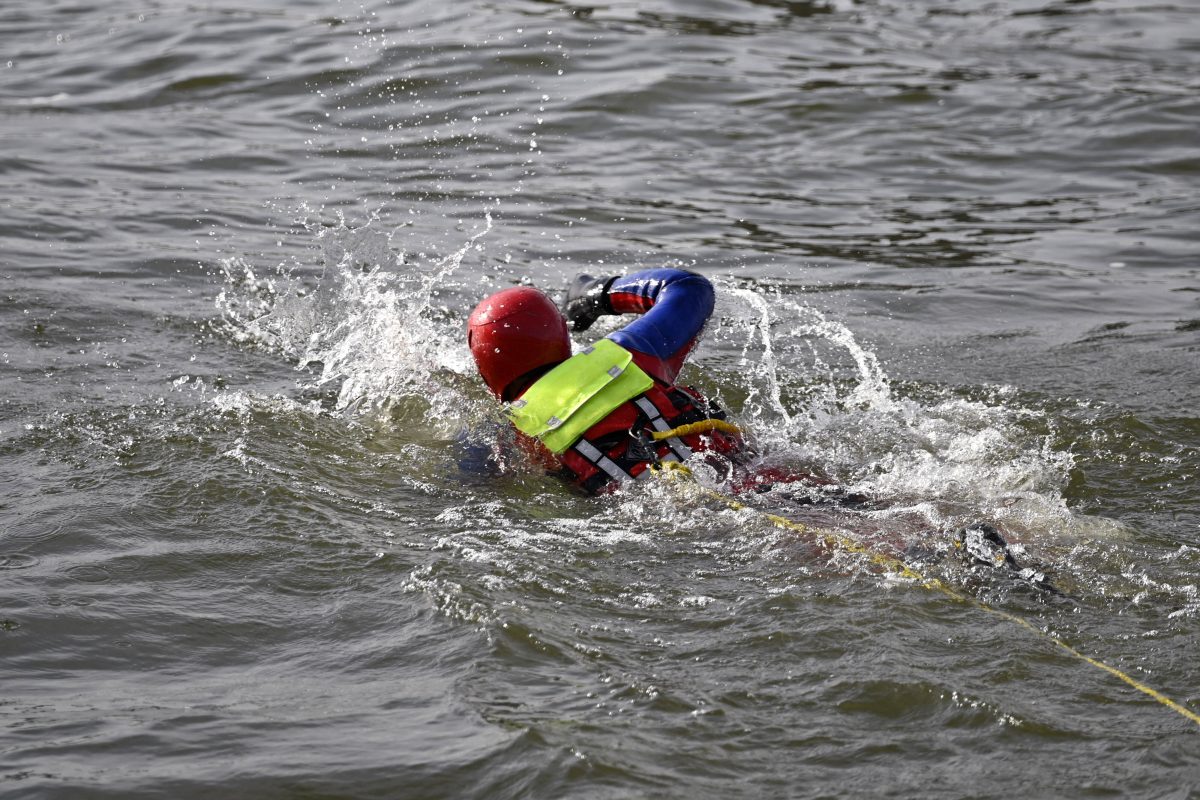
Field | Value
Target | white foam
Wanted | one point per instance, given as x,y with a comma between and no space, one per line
369,326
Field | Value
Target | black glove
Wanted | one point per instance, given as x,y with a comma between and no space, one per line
587,301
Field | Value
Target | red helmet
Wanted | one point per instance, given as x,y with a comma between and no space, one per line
514,332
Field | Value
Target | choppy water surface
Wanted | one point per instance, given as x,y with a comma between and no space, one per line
955,246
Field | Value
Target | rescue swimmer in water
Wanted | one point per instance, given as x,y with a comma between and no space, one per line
602,417
614,413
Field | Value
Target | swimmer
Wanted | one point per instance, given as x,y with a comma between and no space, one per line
602,417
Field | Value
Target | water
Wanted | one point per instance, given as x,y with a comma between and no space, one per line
955,255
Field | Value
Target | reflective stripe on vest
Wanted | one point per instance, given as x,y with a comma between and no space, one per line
681,450
603,462
569,399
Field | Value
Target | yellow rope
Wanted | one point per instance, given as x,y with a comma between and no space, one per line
703,426
674,470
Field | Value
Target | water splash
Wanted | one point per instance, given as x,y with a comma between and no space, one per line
815,395
371,329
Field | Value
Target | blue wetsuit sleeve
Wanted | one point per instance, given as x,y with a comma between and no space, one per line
475,453
675,305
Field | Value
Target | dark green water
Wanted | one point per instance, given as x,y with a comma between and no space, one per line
955,248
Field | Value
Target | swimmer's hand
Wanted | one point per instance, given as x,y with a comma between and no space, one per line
587,301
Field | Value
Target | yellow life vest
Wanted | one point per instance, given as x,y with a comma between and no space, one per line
569,399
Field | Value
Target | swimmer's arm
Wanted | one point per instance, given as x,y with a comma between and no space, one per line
476,453
674,306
